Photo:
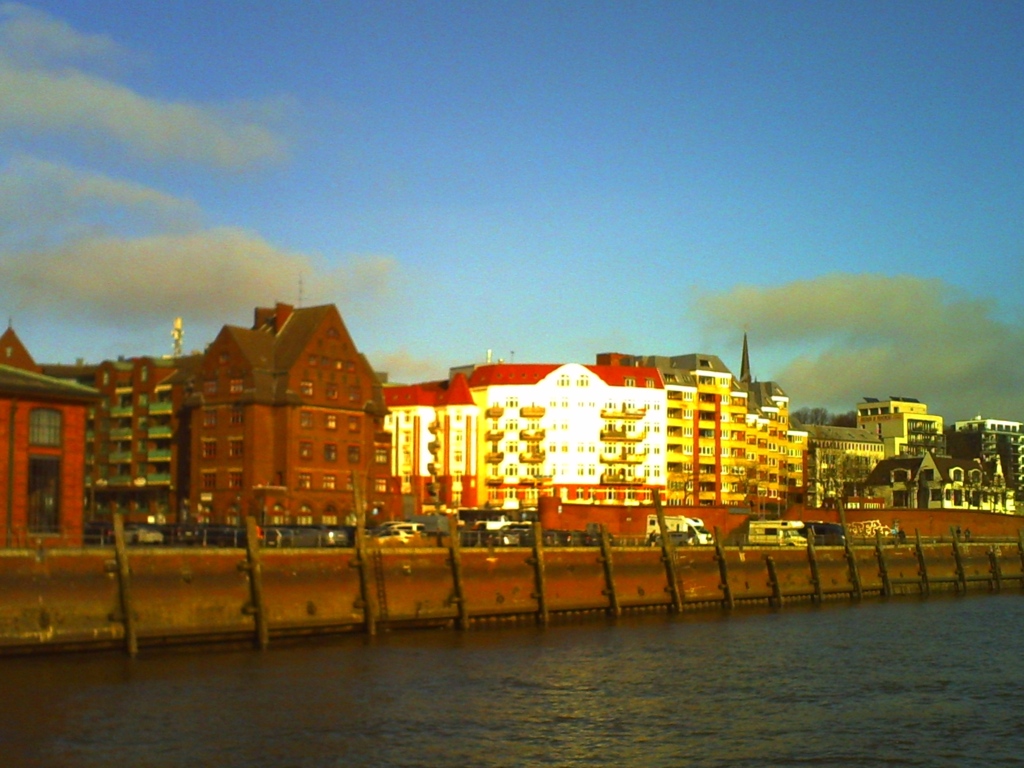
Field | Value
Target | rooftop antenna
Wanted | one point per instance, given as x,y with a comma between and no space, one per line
178,334
300,291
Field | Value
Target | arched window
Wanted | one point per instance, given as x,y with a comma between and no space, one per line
44,427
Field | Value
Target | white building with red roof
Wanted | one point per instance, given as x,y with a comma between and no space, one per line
501,435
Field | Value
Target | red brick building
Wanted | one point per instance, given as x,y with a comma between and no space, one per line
42,451
284,418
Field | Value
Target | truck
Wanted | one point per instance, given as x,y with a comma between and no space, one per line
777,533
687,530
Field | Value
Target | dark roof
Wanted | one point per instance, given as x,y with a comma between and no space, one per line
15,381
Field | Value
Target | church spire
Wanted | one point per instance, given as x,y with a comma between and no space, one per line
745,363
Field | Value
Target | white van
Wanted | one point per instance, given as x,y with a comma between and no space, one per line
776,533
692,530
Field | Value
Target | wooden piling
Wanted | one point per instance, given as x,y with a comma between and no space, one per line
961,575
362,560
723,572
537,561
812,559
851,561
253,566
124,587
883,567
668,555
922,564
459,596
995,569
614,609
773,581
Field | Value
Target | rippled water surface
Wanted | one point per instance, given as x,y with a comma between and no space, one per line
934,682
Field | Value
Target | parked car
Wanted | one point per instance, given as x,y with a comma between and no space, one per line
143,533
394,535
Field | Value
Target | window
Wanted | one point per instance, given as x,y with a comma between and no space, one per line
305,480
380,455
235,386
332,392
237,415
234,479
380,485
305,418
354,454
44,427
235,447
209,418
306,388
331,421
209,449
354,424
353,394
329,482
305,450
209,480
44,495
330,452
210,387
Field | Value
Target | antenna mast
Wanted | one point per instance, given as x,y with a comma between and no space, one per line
178,334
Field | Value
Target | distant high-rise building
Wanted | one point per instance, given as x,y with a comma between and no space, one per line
904,425
990,440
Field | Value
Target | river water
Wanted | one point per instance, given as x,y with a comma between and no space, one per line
905,682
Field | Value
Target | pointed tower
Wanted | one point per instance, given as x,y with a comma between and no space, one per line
745,363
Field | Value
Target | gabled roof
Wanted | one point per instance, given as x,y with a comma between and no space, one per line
294,335
16,381
14,354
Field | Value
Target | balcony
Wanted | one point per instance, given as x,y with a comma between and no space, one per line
494,457
625,412
433,446
494,480
121,412
623,457
494,412
534,479
121,433
532,411
532,457
158,478
432,469
117,457
162,431
119,480
161,408
432,427
619,478
612,433
494,435
532,435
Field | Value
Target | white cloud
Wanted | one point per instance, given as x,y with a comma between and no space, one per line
45,89
207,275
846,336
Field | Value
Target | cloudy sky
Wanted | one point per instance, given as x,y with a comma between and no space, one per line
844,182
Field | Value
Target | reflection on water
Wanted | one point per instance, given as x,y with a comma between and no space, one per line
907,682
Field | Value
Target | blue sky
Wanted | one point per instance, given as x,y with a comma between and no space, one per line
842,181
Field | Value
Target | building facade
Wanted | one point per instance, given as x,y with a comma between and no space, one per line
992,441
839,460
285,423
904,425
505,435
42,451
927,481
